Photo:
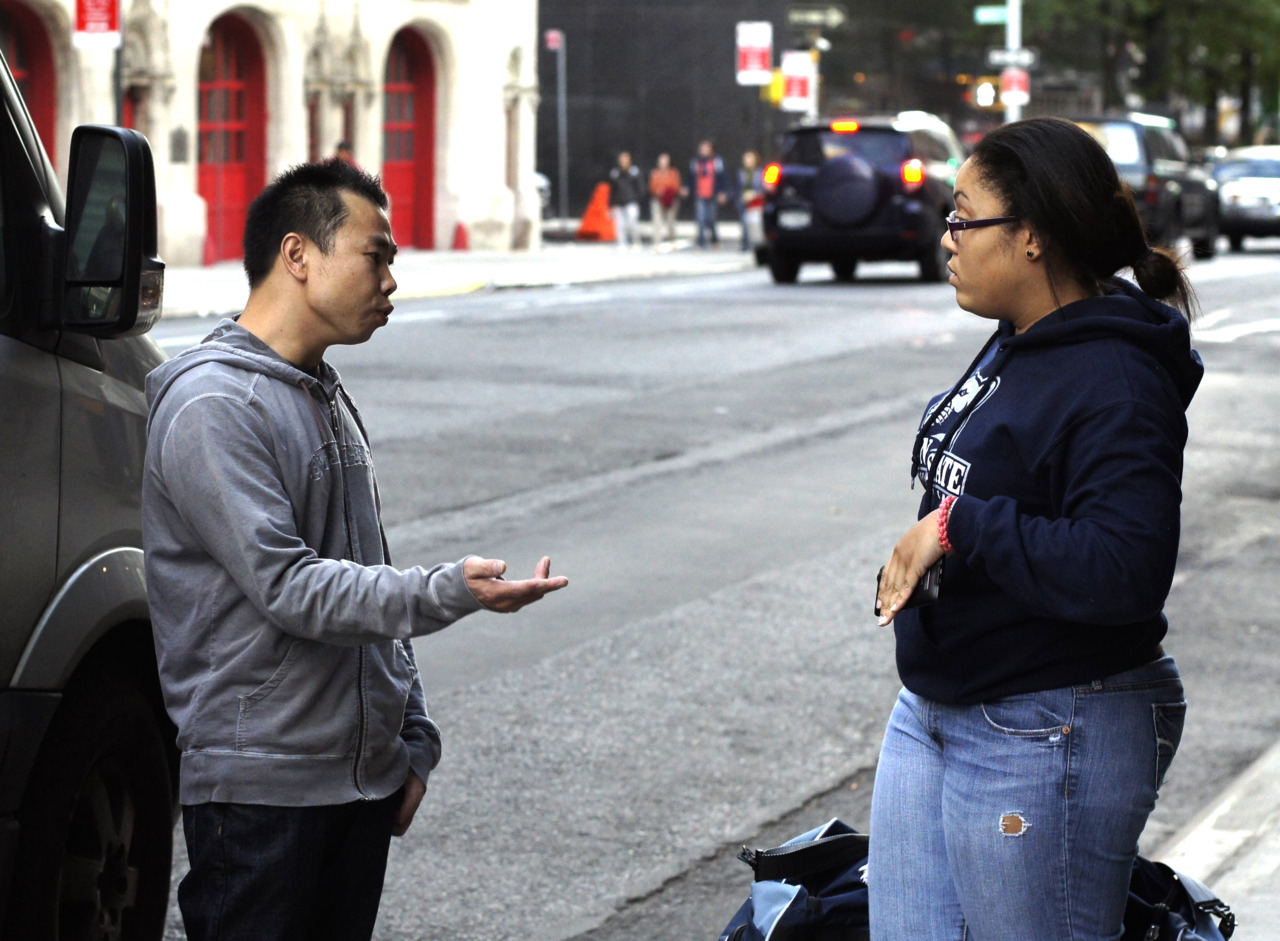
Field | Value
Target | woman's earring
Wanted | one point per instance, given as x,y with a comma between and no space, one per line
1031,256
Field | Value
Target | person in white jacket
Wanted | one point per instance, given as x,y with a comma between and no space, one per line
282,631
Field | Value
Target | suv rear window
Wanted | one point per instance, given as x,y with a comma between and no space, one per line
882,147
1119,139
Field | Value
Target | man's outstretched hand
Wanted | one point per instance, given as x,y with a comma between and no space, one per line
484,578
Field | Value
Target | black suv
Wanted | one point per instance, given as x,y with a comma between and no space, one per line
874,188
1175,196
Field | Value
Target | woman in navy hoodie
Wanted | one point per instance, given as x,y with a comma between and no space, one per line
1039,711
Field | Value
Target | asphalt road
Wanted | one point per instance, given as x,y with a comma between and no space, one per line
719,465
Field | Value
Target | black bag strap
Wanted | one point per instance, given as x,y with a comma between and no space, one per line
797,860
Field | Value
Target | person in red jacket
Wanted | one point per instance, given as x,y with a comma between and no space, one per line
710,191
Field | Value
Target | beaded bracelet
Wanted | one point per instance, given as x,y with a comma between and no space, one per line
944,511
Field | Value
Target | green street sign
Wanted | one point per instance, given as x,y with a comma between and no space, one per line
991,16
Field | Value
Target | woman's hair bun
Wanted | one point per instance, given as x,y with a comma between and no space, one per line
1159,275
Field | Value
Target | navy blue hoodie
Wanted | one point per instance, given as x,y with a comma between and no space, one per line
1063,446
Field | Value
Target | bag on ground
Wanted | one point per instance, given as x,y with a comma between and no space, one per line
1168,906
811,888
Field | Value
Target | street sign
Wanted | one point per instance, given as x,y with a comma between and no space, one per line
991,15
554,39
824,17
1012,58
755,53
1015,87
97,24
799,82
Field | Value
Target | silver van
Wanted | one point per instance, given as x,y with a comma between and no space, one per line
87,760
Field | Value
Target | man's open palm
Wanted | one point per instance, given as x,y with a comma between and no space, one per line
484,578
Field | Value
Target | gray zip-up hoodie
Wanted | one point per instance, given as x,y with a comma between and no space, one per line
282,631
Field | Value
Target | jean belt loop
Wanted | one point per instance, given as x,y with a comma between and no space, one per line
1097,685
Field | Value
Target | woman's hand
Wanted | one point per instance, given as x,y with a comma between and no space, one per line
918,549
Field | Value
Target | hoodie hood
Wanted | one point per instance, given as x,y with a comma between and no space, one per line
233,345
1125,313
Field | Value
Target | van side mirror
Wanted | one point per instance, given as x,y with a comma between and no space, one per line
113,280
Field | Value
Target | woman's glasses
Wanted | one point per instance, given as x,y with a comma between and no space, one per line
956,225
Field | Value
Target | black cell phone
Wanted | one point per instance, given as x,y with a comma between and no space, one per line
926,591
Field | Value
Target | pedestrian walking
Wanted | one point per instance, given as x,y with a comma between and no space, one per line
664,199
625,190
1039,711
282,631
710,192
747,197
344,152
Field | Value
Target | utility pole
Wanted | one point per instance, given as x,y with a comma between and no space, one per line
555,41
1012,41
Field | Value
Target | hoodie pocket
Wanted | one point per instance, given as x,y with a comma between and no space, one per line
304,707
391,678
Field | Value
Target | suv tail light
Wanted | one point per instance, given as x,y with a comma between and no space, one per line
772,174
1151,191
913,175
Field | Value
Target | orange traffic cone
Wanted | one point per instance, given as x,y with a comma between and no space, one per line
460,241
597,224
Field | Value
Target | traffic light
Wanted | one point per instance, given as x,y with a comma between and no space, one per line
984,93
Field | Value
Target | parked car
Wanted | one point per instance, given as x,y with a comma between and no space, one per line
872,188
1249,193
1175,196
88,762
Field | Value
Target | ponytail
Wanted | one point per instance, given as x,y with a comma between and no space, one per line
1160,275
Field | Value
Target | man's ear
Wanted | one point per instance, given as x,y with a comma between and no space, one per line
293,252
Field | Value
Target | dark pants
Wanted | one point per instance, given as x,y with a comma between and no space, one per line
285,873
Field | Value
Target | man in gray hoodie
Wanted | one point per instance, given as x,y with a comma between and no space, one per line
282,631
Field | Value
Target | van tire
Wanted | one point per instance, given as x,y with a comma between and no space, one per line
96,842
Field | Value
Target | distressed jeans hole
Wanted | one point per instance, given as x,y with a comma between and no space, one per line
1013,824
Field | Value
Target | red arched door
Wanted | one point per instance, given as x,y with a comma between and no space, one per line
25,45
232,131
409,139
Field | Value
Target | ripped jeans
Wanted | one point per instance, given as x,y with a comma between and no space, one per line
1019,818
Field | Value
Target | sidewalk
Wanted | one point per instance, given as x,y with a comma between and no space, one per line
220,289
1233,847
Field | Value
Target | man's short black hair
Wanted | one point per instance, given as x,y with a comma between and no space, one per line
306,199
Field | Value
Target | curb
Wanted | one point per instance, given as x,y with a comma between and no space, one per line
472,286
1236,837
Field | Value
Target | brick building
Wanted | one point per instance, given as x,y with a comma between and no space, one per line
651,77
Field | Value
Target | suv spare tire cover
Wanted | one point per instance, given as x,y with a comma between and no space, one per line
846,190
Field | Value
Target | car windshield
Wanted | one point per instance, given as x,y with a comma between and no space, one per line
814,148
1239,169
1120,140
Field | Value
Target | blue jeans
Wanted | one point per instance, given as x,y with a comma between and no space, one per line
1019,818
285,873
705,211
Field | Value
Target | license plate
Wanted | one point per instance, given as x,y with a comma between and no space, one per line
794,218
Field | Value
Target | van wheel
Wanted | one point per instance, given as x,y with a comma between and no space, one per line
96,823
1236,242
784,268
